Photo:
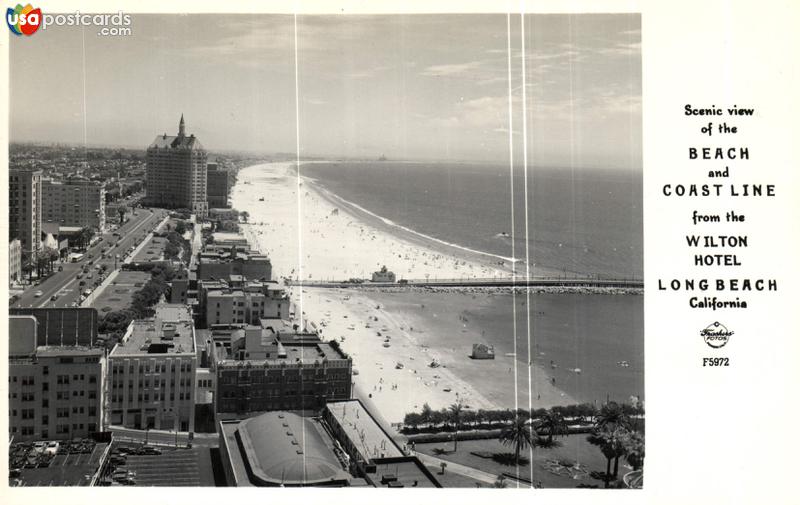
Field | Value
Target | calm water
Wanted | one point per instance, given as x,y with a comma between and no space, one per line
579,221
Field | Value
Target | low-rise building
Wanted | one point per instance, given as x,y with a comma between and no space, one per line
383,275
14,260
152,372
54,392
262,369
220,261
280,449
236,300
371,450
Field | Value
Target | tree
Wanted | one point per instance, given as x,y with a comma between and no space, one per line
612,415
85,236
122,210
500,482
554,424
455,411
28,264
245,215
634,449
52,256
426,414
518,435
610,440
412,420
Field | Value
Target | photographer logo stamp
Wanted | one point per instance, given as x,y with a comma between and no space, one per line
716,335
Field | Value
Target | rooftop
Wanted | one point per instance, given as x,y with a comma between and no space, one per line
56,351
269,349
171,331
402,472
176,142
281,448
363,430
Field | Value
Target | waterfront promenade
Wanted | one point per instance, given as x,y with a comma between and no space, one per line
543,282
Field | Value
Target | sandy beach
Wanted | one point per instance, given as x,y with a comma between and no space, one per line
343,246
391,355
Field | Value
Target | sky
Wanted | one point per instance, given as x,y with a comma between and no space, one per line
404,86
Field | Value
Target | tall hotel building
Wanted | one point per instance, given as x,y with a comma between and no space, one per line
25,208
176,172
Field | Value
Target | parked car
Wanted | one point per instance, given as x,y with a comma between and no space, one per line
38,294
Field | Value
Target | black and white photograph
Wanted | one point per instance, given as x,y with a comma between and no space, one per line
327,248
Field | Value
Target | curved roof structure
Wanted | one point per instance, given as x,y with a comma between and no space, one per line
282,448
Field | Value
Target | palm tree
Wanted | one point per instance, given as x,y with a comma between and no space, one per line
517,434
28,264
612,415
455,414
611,441
553,422
52,256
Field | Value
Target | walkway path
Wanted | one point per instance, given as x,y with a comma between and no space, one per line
466,471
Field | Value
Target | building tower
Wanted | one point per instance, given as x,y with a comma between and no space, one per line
177,172
25,209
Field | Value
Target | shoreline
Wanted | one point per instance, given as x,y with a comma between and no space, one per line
391,350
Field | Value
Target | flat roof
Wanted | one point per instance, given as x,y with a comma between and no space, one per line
402,472
171,331
227,236
363,430
281,448
55,351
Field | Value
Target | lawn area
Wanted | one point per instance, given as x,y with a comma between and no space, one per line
574,449
153,250
118,296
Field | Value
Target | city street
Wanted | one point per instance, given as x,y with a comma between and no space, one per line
65,284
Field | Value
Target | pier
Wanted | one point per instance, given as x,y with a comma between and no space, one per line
506,282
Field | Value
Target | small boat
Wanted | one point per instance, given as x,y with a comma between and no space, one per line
261,199
386,344
434,363
399,366
447,390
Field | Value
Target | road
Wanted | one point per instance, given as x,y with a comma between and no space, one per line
65,284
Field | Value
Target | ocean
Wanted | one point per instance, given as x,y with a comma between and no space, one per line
580,222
